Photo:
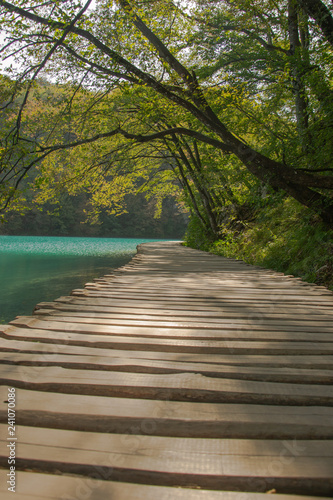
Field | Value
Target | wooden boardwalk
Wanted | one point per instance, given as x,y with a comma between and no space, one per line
182,375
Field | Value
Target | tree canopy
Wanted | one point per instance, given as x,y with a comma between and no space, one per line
214,102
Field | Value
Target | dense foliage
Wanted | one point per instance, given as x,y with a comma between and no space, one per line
283,236
68,218
224,105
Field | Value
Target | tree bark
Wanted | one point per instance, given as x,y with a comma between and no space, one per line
298,86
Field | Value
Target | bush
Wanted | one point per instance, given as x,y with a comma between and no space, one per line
286,237
196,236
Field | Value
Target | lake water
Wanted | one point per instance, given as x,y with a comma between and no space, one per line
42,268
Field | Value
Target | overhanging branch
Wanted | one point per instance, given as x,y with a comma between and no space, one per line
142,138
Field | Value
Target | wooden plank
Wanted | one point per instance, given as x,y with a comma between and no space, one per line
208,282
220,279
168,418
200,297
166,288
34,486
287,360
219,275
204,323
289,466
139,365
91,307
171,329
265,306
175,387
98,336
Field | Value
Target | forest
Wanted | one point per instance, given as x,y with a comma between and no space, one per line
221,109
68,218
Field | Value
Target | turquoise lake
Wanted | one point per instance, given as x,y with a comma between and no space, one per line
42,268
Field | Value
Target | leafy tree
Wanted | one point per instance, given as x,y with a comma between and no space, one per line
321,14
259,101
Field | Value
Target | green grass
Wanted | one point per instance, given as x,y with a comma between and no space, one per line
285,237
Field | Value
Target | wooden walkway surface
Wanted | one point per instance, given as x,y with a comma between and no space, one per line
182,375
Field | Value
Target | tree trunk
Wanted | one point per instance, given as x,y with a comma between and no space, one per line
298,86
321,14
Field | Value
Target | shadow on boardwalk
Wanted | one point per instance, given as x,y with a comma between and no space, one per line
182,375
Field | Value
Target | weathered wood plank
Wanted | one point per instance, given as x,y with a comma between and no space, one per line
147,287
75,334
200,297
303,466
204,323
176,387
220,279
164,329
34,486
169,418
139,365
287,360
266,306
208,282
89,308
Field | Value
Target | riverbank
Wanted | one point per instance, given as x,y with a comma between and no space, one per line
285,237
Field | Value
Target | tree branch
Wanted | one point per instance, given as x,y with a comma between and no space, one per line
46,58
181,131
321,14
142,138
